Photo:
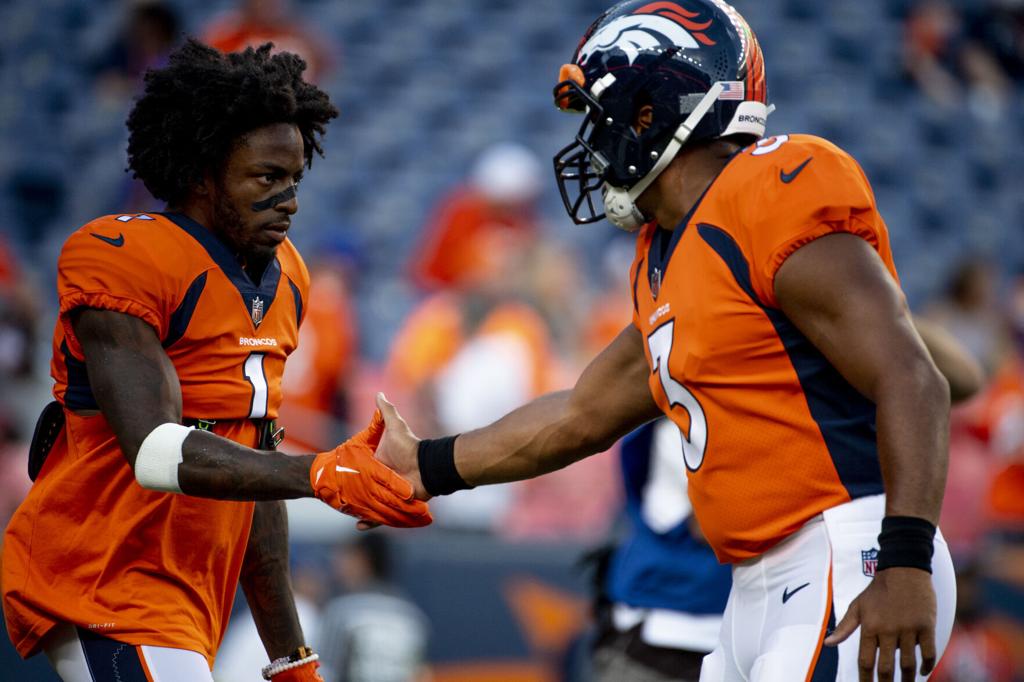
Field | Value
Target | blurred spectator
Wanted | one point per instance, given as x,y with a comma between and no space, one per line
932,49
241,657
479,226
950,65
26,387
19,314
504,362
975,653
14,481
371,633
1003,563
970,312
1000,28
151,28
316,381
255,22
664,592
429,338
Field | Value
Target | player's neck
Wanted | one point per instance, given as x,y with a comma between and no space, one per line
681,185
194,210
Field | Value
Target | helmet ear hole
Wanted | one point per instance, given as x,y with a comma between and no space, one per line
643,119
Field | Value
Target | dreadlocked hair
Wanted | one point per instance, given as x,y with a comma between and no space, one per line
194,110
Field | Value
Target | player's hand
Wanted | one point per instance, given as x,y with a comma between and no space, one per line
353,481
399,447
896,611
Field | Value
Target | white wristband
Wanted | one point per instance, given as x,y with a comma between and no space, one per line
156,465
279,665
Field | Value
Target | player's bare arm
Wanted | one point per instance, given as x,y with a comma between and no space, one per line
964,374
137,390
266,581
839,293
609,400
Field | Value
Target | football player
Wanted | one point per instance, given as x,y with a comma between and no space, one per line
174,327
769,325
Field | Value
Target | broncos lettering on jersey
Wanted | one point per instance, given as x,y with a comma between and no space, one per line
773,434
89,546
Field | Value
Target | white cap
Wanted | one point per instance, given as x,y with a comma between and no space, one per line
507,172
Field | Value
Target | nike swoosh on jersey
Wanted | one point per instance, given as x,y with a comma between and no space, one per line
119,241
318,475
346,470
787,595
791,176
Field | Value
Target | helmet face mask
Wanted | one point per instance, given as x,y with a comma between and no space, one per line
667,56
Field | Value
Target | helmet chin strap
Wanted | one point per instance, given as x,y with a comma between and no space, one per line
620,203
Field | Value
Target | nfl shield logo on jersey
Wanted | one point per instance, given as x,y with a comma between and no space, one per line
656,282
869,562
257,310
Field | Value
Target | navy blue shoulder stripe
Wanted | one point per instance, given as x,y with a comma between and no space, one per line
298,302
265,290
636,281
78,395
183,315
845,417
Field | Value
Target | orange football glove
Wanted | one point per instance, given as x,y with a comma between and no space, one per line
304,673
353,481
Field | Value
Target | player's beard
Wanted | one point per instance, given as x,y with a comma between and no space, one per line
254,257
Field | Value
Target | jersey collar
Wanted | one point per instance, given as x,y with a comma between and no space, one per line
257,297
663,242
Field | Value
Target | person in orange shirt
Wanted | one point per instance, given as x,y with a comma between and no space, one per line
255,22
319,372
769,325
157,488
477,227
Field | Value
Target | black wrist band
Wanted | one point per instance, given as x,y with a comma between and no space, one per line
906,541
437,466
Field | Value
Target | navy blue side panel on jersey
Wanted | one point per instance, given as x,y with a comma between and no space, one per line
78,395
827,667
671,570
298,303
845,417
183,315
254,296
636,280
110,660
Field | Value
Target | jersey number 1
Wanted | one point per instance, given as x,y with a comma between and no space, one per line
694,443
253,370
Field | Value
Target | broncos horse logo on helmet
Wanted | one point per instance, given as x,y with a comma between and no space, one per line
697,66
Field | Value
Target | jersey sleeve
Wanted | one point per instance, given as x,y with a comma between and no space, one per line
101,268
299,279
814,190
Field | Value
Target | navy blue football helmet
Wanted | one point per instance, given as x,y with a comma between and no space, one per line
650,77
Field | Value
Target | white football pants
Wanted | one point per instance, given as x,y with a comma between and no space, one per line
783,602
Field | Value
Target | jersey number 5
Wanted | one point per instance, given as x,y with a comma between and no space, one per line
694,443
253,370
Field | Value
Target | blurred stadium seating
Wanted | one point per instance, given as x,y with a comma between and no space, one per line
423,87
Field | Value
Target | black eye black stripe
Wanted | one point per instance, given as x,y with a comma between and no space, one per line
273,201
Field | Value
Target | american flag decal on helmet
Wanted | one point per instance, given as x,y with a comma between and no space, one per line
732,90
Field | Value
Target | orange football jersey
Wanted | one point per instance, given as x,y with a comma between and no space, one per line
89,545
772,433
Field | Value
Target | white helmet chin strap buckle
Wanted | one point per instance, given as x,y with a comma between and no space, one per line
620,209
620,204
